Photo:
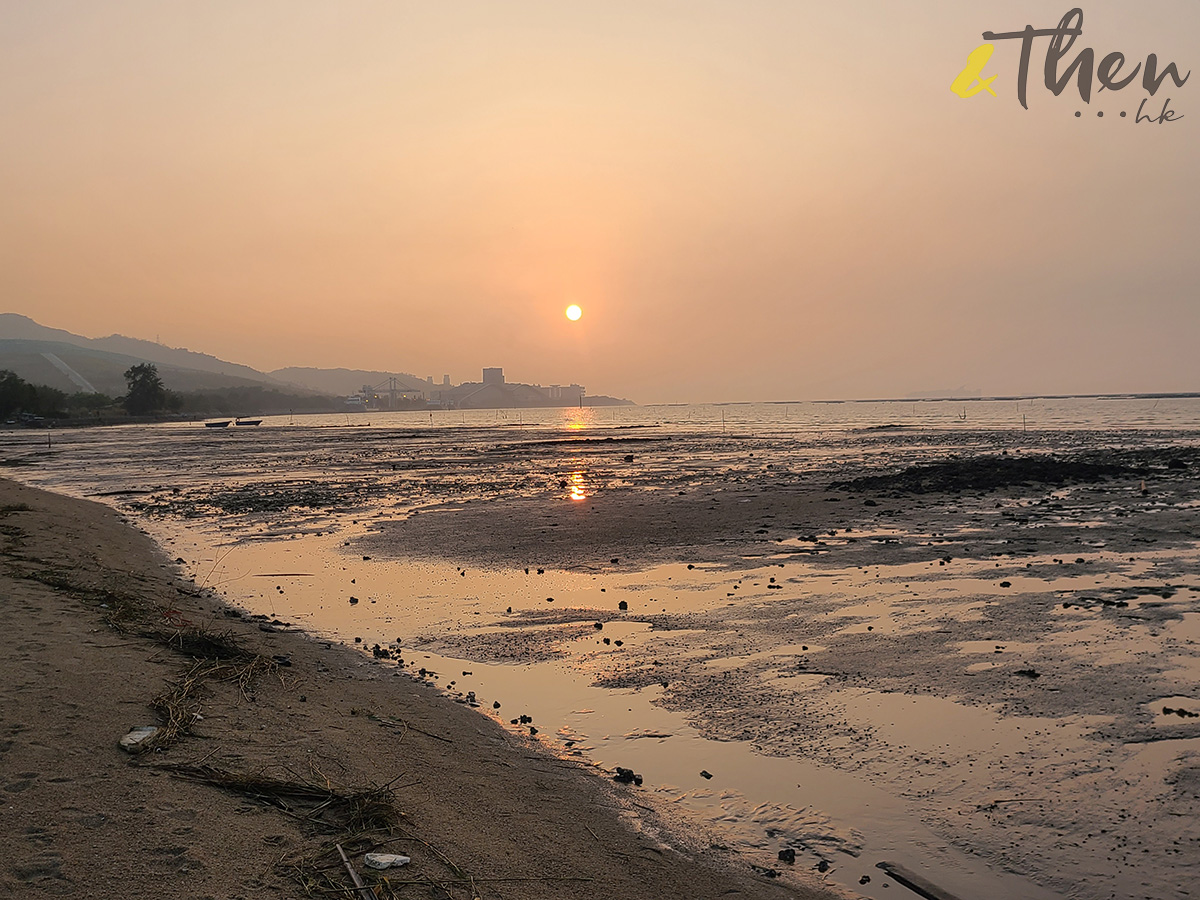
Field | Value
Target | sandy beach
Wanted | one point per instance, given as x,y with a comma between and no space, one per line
276,747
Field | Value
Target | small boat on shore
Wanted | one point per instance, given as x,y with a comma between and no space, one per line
248,422
223,423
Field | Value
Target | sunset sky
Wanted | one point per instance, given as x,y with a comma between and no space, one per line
748,200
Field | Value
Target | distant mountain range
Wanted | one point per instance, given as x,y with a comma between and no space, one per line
73,363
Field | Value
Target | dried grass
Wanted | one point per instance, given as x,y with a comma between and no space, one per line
346,812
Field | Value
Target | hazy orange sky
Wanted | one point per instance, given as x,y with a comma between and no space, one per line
749,200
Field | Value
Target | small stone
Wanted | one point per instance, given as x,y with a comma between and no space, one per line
866,879
1006,584
704,773
132,742
385,860
787,855
495,704
365,558
622,606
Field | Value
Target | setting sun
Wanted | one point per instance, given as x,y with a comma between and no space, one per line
574,312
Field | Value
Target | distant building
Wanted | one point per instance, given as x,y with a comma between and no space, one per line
493,376
570,393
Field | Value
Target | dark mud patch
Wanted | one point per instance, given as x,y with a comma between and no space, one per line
985,473
510,646
991,472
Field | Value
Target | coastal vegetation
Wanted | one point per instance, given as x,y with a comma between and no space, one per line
147,397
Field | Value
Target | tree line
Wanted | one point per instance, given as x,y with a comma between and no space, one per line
146,395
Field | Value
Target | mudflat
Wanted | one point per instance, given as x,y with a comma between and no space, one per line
272,749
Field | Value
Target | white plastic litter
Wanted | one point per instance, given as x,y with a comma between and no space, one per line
131,741
385,860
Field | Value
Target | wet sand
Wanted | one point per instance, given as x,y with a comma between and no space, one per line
1012,646
97,626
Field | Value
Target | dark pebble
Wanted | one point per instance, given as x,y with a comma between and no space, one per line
622,605
704,773
787,855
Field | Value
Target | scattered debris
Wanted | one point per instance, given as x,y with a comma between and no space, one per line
132,742
385,860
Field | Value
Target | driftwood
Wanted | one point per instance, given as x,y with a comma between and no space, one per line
915,882
358,882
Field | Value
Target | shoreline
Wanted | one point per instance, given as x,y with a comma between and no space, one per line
480,812
964,627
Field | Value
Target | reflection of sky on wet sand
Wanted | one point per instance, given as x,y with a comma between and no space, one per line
577,486
727,644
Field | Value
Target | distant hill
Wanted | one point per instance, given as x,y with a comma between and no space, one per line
22,328
348,381
73,363
75,369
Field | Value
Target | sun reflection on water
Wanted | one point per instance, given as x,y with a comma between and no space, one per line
577,487
578,418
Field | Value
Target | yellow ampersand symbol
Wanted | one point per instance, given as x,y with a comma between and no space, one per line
975,62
